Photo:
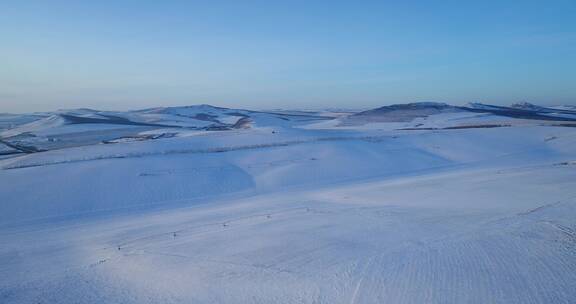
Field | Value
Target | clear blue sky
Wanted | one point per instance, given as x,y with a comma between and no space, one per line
290,54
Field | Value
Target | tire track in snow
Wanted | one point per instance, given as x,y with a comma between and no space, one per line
212,227
361,280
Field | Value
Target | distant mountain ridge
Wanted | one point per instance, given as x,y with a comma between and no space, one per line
410,111
66,128
404,112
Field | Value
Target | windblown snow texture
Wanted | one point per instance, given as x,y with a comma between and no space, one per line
417,203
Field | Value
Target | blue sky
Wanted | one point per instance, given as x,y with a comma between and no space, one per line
284,54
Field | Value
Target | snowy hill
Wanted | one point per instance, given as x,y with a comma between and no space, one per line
81,127
402,112
525,111
424,115
415,203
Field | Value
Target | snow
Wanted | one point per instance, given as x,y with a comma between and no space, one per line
294,209
4,149
52,121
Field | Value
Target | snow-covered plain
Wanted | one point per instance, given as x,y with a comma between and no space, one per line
212,205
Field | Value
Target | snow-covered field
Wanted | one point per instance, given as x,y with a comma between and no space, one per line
421,203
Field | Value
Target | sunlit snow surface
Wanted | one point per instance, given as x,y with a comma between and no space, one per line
290,207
